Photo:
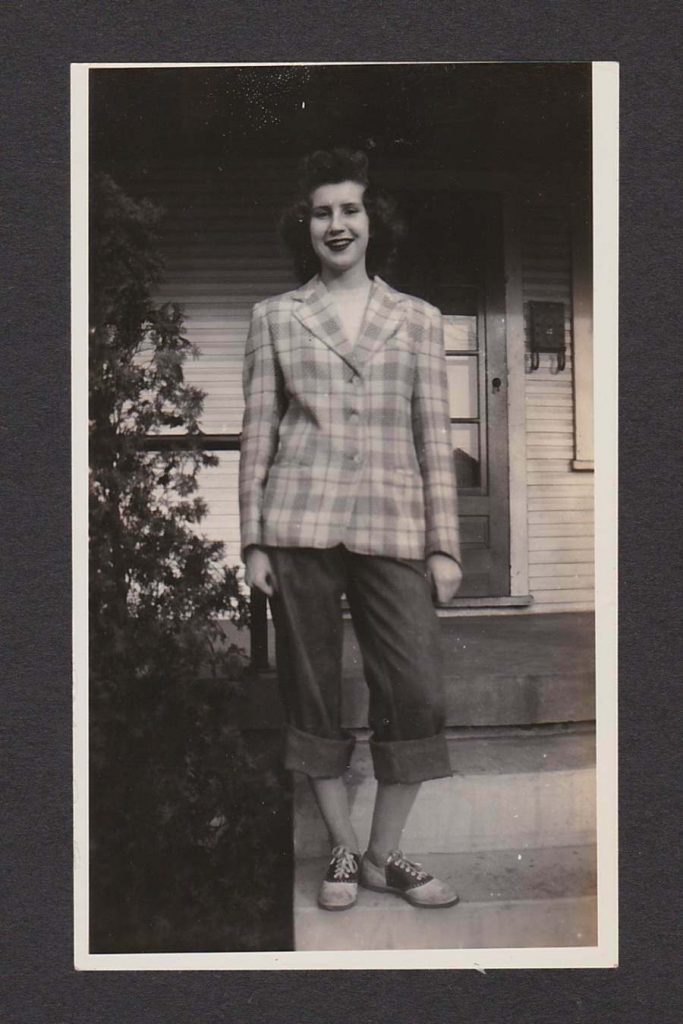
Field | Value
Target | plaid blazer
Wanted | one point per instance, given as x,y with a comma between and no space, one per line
347,444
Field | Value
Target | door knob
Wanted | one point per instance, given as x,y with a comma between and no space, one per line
495,384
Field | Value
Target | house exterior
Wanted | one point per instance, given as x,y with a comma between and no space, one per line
494,183
491,165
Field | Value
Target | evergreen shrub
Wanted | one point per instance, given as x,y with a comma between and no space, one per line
188,817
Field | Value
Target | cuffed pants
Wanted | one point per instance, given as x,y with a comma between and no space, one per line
398,634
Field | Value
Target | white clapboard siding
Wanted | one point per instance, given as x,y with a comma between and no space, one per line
219,489
559,500
222,254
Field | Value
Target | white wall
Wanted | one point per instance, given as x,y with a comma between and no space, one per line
559,499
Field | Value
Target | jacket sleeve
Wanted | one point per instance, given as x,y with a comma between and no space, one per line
264,408
432,434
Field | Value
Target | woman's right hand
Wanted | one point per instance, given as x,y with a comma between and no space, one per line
259,572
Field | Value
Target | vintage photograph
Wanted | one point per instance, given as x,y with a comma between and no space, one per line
338,689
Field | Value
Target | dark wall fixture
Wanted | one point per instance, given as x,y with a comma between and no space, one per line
546,332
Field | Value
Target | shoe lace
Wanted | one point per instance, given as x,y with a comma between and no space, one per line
411,867
344,862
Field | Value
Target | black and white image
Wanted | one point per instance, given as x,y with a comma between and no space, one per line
339,695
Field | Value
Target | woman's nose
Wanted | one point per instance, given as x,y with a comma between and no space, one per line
336,223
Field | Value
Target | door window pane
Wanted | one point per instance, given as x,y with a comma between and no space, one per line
465,440
463,387
459,333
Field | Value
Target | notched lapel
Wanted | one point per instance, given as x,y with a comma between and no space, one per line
316,310
383,317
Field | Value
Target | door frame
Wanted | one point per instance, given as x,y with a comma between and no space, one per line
516,397
498,446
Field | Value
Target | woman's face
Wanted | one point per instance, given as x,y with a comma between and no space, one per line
339,225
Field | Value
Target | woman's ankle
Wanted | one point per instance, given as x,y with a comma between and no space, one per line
348,844
377,856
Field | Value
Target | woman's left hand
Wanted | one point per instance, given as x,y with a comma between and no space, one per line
445,575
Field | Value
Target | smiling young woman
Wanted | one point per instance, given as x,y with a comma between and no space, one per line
340,230
347,486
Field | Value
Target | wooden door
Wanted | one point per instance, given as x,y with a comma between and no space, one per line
453,257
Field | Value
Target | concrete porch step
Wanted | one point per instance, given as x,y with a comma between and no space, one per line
508,898
511,789
499,670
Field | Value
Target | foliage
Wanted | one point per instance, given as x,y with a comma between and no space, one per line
181,809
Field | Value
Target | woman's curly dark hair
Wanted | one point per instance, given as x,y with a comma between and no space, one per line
326,167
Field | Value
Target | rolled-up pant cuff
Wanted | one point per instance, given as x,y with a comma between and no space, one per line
411,760
317,756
